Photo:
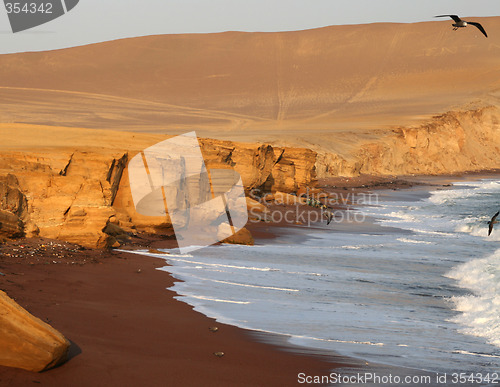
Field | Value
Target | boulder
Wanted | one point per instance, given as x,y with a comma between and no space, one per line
26,341
116,235
254,206
242,237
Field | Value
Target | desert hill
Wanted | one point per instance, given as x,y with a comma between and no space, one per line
258,86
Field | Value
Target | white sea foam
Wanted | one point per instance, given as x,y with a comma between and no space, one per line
180,258
371,343
430,232
468,190
255,286
220,300
479,228
407,240
477,354
220,265
449,196
480,311
398,216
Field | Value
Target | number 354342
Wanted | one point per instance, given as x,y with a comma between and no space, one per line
28,8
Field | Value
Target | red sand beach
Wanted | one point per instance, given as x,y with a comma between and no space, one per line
126,329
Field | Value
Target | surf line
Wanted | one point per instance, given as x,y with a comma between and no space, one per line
255,286
168,258
220,300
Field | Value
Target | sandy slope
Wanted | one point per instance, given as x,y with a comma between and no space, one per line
290,85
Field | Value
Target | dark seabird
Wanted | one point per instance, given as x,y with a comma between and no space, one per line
492,222
329,217
459,23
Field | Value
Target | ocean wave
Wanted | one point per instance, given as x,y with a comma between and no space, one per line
406,240
430,232
402,215
371,343
221,265
219,300
468,190
255,286
362,247
480,310
478,228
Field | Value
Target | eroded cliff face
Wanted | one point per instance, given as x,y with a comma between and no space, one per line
84,197
262,167
59,196
450,143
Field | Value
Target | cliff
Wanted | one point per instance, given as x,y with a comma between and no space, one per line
453,142
76,187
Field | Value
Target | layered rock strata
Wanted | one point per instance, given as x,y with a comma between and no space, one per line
83,196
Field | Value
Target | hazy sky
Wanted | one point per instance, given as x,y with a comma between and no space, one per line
100,20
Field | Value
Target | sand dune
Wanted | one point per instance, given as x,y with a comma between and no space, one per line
335,78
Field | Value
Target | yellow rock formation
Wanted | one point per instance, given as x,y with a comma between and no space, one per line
76,188
26,341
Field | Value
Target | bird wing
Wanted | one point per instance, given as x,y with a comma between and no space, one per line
492,222
454,17
480,27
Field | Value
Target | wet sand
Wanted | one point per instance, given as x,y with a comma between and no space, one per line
126,329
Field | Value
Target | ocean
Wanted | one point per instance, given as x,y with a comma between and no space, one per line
416,285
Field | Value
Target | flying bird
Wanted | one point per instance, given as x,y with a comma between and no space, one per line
492,222
459,23
329,216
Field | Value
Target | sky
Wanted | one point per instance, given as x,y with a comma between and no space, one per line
93,21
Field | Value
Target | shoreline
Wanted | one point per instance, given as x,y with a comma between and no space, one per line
417,190
126,328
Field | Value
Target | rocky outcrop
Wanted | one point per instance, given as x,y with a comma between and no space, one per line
27,342
262,167
82,195
241,237
13,207
67,197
